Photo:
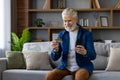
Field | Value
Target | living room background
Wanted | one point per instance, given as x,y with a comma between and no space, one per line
26,11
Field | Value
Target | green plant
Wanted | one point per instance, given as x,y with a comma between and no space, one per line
39,22
17,43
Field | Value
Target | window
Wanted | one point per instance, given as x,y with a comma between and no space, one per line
2,24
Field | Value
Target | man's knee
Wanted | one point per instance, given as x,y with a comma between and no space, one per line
82,74
50,75
56,74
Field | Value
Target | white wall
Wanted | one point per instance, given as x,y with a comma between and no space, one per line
5,26
7,23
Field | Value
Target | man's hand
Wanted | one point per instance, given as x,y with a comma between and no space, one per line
80,49
55,45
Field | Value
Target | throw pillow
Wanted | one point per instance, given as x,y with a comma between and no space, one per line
114,60
100,62
37,60
15,60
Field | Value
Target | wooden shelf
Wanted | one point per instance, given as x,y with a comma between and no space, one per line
45,28
34,10
60,10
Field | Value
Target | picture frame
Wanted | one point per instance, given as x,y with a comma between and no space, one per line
104,20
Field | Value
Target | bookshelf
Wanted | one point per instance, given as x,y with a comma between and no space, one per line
51,15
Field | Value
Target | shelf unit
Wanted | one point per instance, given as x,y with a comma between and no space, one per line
53,20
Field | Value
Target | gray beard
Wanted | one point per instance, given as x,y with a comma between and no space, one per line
72,29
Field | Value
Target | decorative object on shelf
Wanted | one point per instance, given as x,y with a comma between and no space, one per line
61,4
81,21
39,22
108,41
46,5
96,15
96,23
118,5
95,3
84,22
104,20
17,43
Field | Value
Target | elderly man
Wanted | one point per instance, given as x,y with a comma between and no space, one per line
76,50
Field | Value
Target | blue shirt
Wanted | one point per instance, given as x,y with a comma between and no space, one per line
83,61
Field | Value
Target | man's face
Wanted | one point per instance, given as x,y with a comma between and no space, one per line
70,22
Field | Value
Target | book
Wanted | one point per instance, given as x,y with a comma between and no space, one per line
93,4
61,4
117,5
46,6
97,4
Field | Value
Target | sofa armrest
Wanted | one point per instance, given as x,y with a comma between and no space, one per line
3,62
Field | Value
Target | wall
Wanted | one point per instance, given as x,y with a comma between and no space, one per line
6,27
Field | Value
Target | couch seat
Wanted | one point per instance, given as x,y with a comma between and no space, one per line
22,74
105,75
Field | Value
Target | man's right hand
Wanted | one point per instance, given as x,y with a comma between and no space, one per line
55,45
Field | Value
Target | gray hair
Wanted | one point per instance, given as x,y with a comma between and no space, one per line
70,11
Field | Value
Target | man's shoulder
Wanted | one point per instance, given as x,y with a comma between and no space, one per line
85,30
62,32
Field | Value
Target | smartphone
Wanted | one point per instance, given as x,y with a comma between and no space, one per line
79,42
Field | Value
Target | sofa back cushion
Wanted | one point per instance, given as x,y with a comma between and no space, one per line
37,46
101,61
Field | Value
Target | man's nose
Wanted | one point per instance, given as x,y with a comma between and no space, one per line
67,23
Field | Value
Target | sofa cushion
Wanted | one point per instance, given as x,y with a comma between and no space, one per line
15,60
21,74
101,48
103,75
114,60
100,62
37,60
37,46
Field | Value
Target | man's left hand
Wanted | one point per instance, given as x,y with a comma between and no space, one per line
80,49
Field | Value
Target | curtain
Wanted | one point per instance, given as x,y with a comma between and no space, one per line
5,26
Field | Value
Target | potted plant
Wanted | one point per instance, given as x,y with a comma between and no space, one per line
17,43
39,22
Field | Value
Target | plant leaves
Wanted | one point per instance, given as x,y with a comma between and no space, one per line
26,37
15,44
